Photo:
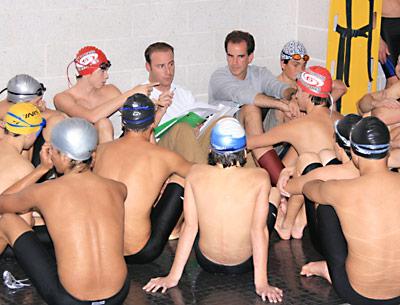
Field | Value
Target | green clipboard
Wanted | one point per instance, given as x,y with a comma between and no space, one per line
191,118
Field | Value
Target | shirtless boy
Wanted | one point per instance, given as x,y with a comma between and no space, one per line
293,61
358,221
294,58
91,98
229,218
144,167
22,123
25,88
309,167
89,247
312,132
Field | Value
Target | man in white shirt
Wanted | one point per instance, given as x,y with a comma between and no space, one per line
174,101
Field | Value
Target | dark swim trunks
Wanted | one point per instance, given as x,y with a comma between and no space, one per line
390,33
41,268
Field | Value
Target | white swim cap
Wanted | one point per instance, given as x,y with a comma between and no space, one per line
74,137
228,136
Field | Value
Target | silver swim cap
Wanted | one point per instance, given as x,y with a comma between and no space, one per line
23,88
74,137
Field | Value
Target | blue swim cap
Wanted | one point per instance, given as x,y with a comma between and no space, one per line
228,136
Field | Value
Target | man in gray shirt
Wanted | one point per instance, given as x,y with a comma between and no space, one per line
255,89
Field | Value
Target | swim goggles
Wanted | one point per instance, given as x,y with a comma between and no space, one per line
346,142
297,56
39,92
105,65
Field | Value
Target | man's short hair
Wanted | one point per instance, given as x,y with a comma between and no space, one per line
157,47
238,37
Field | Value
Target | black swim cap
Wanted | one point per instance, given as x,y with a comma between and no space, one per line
138,112
343,128
370,138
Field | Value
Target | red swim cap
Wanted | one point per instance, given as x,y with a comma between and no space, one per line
89,59
315,80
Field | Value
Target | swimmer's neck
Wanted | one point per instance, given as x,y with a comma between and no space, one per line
284,79
77,170
372,166
316,108
84,87
219,165
144,136
16,142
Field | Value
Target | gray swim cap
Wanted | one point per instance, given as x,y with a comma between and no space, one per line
74,137
23,88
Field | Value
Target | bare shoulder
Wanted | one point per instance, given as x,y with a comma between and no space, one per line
64,97
103,147
198,170
257,174
118,186
22,168
169,155
110,91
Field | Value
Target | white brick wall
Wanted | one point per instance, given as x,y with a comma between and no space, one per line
40,37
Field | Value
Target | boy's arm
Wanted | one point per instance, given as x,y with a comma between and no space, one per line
281,133
185,244
324,192
260,240
66,103
21,202
34,175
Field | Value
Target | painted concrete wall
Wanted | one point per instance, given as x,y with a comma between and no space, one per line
40,37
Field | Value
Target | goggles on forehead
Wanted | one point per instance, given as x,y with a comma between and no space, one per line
105,65
297,56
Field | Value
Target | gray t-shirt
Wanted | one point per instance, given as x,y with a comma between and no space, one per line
226,89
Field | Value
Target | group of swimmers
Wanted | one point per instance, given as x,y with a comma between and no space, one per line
107,201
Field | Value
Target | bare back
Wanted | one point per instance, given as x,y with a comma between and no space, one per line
310,133
89,243
143,167
391,8
368,209
316,132
225,222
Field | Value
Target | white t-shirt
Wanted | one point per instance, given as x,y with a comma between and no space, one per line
182,102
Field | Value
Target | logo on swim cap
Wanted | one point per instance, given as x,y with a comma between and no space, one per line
138,112
89,59
316,81
291,48
24,118
228,136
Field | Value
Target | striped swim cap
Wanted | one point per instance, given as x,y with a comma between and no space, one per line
23,119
